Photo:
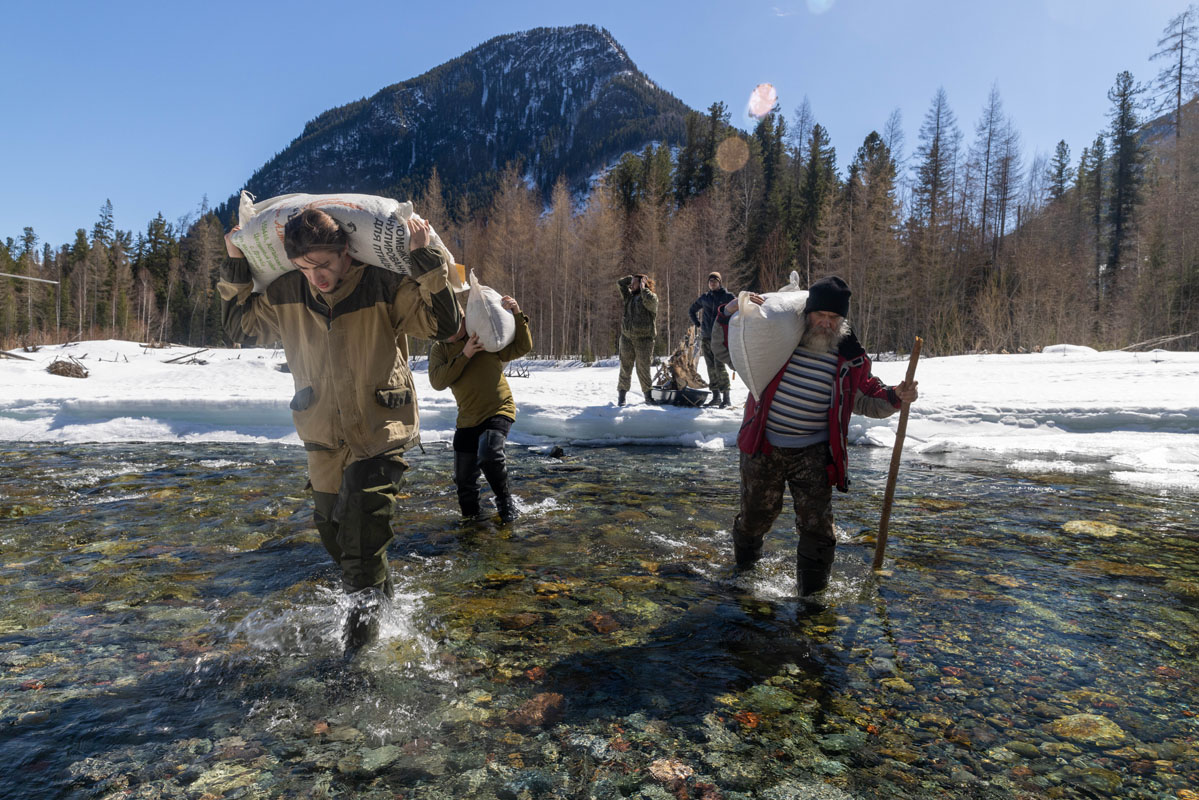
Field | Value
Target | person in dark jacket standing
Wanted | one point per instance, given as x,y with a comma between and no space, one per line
638,328
703,314
486,410
343,325
796,435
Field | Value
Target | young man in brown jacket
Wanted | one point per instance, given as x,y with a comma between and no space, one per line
343,325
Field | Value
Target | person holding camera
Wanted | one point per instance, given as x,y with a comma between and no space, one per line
638,329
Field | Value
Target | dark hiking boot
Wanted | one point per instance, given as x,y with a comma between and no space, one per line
620,395
649,401
505,505
362,621
715,401
724,400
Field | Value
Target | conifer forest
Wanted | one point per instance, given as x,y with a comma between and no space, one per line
960,237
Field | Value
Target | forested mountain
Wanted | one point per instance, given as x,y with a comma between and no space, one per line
560,101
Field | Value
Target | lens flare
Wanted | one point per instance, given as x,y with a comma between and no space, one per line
732,153
762,100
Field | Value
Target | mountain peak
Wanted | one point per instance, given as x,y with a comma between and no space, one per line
562,101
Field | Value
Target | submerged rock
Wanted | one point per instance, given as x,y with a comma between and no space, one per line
1103,530
1086,728
1117,569
540,710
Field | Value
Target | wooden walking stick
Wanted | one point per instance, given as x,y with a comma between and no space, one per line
881,545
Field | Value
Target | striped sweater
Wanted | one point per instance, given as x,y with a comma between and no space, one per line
798,417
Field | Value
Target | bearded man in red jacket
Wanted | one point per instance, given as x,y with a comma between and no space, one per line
796,435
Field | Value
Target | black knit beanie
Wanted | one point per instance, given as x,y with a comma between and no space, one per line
829,294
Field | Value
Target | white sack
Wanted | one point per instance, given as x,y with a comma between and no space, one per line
763,337
487,317
376,226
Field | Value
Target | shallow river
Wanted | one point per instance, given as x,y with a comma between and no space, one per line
169,628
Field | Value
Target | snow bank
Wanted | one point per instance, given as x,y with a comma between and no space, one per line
1134,416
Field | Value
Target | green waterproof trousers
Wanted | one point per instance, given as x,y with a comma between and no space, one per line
355,523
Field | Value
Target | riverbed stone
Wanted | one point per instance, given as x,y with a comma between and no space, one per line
1102,530
1093,728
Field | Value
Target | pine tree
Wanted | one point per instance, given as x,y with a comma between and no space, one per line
717,131
27,259
814,202
105,229
936,162
686,178
1127,156
1060,172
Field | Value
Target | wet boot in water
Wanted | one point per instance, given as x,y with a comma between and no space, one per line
362,621
497,478
506,506
466,479
811,575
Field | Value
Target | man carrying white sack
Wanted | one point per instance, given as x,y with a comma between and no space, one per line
486,410
343,326
796,434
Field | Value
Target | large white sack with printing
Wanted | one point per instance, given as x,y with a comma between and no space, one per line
487,318
763,337
377,227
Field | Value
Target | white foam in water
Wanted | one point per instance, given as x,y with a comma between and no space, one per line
1066,467
311,627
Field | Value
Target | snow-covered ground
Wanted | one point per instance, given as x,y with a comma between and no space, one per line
1134,416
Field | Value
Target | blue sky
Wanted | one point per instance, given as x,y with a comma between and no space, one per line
157,104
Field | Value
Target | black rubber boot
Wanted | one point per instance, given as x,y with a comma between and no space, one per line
724,399
746,557
620,395
715,401
495,470
362,621
466,480
811,576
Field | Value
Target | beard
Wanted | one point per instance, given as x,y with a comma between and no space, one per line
823,340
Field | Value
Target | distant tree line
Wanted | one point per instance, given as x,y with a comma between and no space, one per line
963,241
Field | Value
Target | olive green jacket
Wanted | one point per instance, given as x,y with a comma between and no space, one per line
347,350
640,311
478,382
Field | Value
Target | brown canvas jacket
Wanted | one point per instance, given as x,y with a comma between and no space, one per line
347,350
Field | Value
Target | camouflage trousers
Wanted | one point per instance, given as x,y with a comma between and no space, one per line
763,478
718,376
640,351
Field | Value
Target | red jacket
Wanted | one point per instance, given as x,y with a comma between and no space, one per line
855,390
